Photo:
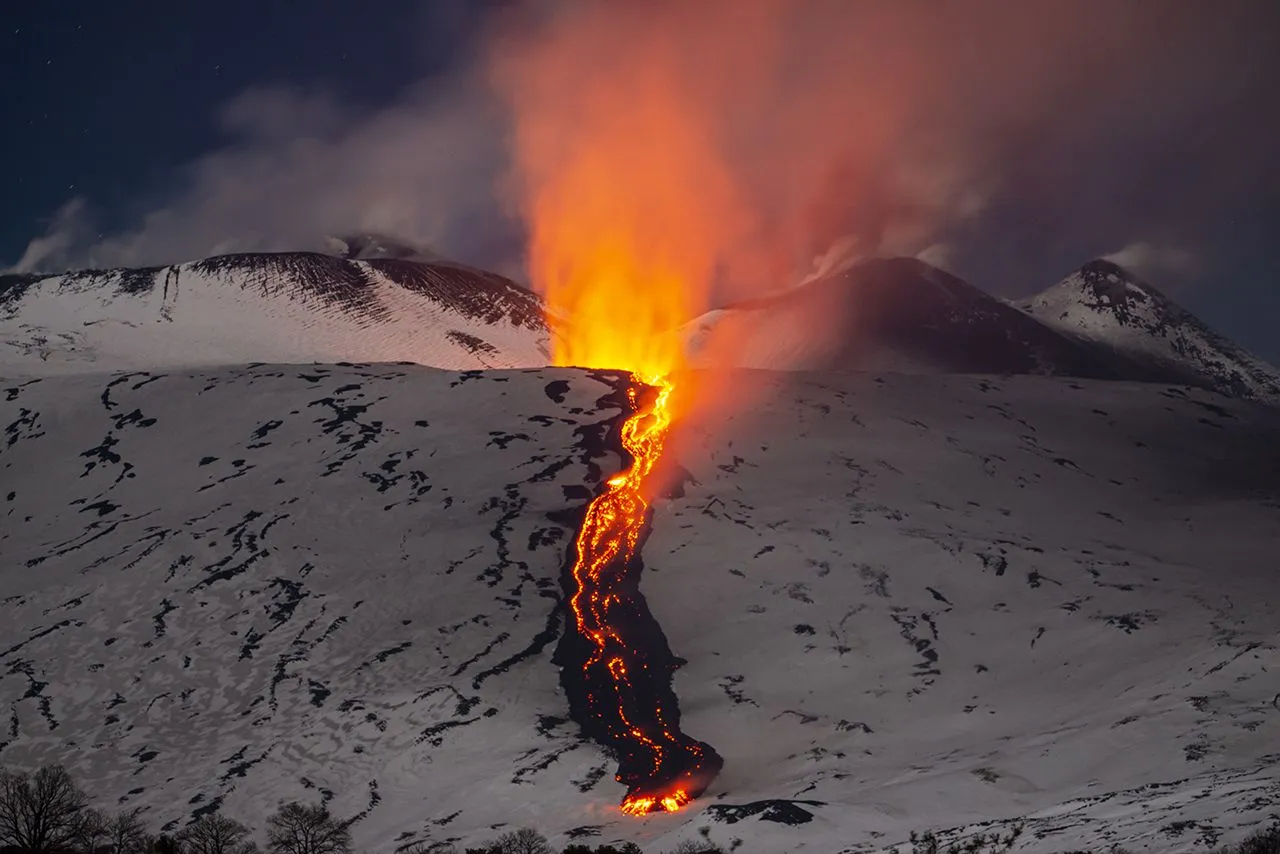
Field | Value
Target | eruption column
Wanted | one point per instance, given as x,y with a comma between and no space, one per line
623,694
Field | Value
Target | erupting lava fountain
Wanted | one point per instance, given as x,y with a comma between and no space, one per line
617,667
631,211
609,305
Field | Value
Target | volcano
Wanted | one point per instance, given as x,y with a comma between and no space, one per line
891,601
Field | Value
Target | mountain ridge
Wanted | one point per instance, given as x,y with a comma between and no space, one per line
1107,305
895,314
288,306
903,314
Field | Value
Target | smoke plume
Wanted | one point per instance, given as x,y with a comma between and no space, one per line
301,165
1020,137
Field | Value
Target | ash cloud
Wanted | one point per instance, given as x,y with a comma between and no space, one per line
1014,140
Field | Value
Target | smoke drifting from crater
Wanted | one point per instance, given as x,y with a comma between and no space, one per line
898,128
1013,139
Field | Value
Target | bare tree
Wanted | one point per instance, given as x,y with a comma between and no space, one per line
126,834
624,848
306,829
694,846
39,812
421,846
215,834
90,830
524,841
164,844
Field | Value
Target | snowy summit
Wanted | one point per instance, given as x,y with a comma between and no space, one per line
1104,304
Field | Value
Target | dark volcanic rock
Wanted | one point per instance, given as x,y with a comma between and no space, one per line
780,811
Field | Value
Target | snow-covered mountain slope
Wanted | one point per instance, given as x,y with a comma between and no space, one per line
230,586
1105,304
898,314
905,602
903,315
949,600
281,307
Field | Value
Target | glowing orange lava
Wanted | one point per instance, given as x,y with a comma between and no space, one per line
607,543
648,804
631,210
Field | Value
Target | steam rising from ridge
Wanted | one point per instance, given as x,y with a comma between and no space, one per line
1021,133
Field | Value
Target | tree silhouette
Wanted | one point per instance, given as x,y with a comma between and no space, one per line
40,813
522,841
306,829
126,834
90,830
215,834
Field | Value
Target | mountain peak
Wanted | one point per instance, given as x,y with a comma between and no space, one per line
1105,304
1108,279
1104,286
1103,267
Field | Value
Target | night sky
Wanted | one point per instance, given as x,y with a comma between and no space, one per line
166,131
108,101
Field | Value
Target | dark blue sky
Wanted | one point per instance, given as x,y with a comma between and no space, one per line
107,100
125,105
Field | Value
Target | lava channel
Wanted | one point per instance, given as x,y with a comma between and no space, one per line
616,666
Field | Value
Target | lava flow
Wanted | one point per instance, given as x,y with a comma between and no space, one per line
623,695
632,213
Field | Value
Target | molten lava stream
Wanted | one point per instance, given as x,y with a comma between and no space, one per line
626,664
